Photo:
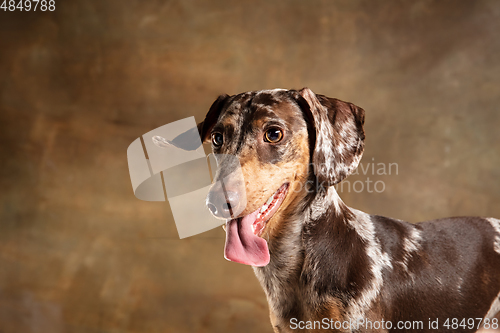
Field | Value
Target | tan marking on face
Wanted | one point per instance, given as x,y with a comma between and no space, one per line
227,121
260,122
263,180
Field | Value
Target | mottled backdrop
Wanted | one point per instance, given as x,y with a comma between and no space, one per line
79,253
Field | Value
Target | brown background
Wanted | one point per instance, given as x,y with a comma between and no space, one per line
79,253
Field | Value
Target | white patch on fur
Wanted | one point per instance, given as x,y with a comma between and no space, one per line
459,285
411,244
494,308
386,260
496,225
356,160
365,228
272,90
319,206
324,137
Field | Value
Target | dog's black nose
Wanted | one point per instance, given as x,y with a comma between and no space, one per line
222,206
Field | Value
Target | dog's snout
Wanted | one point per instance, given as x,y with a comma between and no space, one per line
222,205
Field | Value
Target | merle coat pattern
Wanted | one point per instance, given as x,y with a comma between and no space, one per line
326,260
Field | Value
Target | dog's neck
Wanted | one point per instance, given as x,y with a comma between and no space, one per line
295,260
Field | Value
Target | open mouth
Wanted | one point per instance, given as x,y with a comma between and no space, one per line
243,241
267,210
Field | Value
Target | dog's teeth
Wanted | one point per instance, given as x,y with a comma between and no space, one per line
269,200
263,208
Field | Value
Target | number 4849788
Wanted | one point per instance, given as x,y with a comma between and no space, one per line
28,5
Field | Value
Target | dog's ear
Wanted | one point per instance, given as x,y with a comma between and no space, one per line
338,138
190,140
205,127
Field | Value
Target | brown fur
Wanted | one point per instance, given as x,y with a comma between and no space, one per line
329,261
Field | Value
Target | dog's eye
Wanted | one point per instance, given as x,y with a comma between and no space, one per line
273,135
217,139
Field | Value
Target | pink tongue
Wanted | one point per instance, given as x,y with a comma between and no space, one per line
242,245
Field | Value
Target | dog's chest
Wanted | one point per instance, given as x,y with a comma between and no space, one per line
292,301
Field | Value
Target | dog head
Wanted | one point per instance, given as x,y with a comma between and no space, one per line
290,145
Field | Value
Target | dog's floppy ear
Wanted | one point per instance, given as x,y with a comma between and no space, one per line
205,127
339,136
190,140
